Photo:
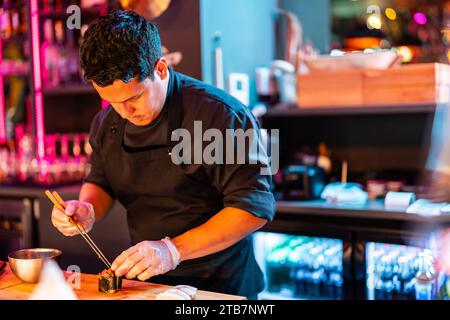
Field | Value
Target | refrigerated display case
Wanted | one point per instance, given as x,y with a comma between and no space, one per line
299,267
400,272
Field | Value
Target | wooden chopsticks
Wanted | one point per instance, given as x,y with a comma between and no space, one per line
59,203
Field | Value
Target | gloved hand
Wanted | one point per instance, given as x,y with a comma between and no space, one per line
82,212
147,259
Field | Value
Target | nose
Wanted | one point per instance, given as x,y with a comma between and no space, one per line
127,110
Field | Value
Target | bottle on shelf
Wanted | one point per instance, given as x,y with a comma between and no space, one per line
62,65
5,23
26,157
23,20
15,22
50,57
64,175
425,278
72,58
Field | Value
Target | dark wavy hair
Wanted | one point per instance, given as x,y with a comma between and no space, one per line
120,45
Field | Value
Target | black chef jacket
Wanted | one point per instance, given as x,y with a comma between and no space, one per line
133,165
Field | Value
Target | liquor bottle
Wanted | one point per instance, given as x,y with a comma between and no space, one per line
24,20
63,73
72,58
5,24
65,159
15,22
50,57
425,279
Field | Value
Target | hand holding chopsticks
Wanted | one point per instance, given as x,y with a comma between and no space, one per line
61,205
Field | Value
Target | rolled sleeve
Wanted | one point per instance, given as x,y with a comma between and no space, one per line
248,190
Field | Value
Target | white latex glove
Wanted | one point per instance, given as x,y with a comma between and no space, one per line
147,259
82,212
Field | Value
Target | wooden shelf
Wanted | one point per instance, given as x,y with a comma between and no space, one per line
69,90
293,111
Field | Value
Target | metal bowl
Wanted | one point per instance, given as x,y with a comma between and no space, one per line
27,264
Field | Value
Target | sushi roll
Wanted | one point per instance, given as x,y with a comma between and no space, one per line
108,282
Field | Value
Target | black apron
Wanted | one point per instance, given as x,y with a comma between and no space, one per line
164,199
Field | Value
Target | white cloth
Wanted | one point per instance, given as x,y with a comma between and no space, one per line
180,292
344,193
52,285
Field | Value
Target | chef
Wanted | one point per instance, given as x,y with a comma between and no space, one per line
190,223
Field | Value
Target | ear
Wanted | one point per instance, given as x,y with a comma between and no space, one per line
162,68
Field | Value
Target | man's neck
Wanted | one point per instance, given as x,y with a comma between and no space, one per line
165,90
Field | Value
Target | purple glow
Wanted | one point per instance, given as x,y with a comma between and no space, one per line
37,81
2,104
420,18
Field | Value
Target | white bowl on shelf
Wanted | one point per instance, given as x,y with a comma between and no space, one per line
353,61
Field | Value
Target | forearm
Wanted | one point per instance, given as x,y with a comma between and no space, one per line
95,195
224,229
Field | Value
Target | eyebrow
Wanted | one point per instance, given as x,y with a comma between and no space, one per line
131,98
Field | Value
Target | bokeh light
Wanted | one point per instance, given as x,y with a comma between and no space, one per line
420,18
374,22
391,14
406,53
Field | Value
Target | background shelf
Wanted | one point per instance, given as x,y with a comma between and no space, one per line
69,90
293,111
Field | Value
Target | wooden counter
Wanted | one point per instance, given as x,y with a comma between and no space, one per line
12,288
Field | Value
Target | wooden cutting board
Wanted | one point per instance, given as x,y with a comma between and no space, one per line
12,288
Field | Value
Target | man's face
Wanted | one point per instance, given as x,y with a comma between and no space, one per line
138,102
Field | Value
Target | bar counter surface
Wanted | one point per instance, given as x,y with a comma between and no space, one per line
374,209
12,288
313,217
368,222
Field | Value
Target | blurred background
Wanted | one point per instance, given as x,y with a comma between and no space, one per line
359,92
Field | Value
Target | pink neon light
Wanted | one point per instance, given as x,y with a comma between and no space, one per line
37,79
104,103
3,136
40,125
420,18
2,104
